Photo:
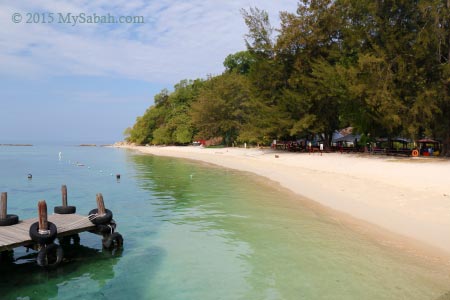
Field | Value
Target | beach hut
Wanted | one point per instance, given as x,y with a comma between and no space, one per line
336,135
347,143
349,140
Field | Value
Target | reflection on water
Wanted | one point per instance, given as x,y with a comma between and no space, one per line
193,231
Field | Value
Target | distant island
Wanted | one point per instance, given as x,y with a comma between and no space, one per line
88,145
17,145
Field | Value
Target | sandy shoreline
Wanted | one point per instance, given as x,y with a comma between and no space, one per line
410,197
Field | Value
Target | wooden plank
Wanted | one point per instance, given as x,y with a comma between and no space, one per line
18,235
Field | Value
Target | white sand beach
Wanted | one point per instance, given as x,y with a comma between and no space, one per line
406,196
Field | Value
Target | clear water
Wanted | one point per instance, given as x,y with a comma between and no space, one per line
193,231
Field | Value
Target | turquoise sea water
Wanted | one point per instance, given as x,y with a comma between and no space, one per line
193,231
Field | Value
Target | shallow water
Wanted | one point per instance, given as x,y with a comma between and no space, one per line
193,231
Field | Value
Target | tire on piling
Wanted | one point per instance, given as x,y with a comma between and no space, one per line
64,210
105,228
9,220
101,220
114,240
39,238
50,256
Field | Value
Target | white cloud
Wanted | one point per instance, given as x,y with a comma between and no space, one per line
180,39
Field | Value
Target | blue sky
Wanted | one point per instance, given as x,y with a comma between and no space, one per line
88,82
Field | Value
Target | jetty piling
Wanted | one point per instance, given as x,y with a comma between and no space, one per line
64,209
42,216
100,205
3,206
106,225
5,219
43,233
64,195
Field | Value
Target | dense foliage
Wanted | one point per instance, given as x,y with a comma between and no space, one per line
381,66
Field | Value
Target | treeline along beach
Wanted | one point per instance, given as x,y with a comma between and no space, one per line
382,67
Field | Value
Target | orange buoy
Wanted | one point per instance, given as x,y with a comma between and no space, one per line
415,153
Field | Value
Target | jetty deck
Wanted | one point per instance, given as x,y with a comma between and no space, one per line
18,235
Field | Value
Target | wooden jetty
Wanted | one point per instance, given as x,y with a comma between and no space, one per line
18,235
40,233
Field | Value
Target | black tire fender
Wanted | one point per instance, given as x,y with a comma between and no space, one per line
114,240
43,238
105,228
50,255
64,210
9,220
101,220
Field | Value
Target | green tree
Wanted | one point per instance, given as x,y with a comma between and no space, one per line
239,62
220,109
259,38
267,81
167,121
309,49
434,41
